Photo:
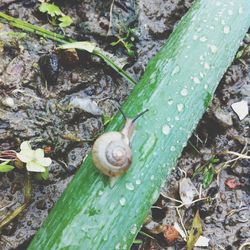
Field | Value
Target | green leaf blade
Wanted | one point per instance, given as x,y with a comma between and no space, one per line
5,167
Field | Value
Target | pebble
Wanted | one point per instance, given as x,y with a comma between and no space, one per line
9,229
219,209
223,118
208,220
74,77
49,65
243,233
41,204
8,102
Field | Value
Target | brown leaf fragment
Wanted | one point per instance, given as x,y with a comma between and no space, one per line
170,234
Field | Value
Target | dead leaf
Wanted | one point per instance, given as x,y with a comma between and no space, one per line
170,234
187,191
195,232
85,103
231,183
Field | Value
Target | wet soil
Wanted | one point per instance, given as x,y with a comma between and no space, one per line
40,80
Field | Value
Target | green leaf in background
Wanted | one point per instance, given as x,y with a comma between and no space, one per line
214,160
50,9
209,174
4,167
195,232
65,21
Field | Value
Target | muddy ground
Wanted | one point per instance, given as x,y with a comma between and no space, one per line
38,111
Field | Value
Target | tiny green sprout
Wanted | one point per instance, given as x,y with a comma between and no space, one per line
51,9
127,41
56,14
208,100
65,21
34,159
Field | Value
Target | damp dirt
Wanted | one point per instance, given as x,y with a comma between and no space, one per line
37,81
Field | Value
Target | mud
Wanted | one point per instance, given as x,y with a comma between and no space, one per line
38,112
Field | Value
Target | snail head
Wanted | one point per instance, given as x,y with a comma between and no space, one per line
130,123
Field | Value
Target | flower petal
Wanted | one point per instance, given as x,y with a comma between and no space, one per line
23,157
39,154
33,166
26,154
46,161
25,146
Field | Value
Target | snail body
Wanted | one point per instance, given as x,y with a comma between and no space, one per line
111,152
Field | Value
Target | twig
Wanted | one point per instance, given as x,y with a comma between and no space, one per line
241,155
110,17
111,63
181,221
233,211
183,204
146,235
6,206
27,199
172,199
221,247
183,172
200,191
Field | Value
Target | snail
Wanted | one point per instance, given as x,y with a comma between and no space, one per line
111,151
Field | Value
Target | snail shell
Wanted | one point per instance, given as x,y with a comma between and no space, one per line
112,154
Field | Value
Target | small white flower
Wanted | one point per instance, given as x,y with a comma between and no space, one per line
34,159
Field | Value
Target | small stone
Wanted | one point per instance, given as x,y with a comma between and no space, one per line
41,204
74,77
243,233
9,229
241,109
206,210
69,58
8,102
223,118
212,191
219,209
49,65
208,220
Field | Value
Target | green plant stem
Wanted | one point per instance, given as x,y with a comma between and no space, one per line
34,29
27,199
27,188
61,39
114,66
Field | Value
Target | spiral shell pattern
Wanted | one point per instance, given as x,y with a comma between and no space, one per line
112,154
